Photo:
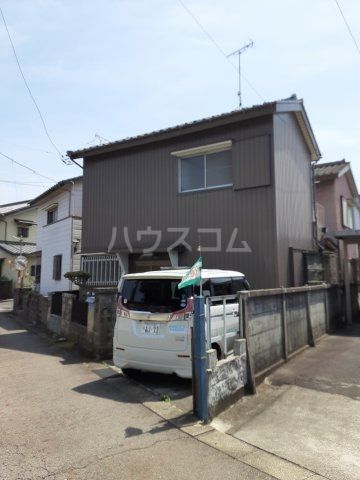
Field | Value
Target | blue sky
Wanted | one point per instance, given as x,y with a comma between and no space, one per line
119,68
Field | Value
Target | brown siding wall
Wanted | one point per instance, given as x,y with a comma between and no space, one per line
254,168
138,188
293,193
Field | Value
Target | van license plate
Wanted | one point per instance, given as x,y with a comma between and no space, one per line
150,329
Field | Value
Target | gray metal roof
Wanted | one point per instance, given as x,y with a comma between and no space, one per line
291,104
54,188
331,169
14,248
13,207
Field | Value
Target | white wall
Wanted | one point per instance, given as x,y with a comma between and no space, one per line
76,205
57,238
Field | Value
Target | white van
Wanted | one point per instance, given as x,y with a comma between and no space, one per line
153,318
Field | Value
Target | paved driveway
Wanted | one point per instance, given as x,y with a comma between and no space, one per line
64,418
308,411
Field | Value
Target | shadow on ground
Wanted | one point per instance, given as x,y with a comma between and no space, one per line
43,343
136,387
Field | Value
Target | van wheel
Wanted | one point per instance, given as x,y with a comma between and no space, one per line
216,347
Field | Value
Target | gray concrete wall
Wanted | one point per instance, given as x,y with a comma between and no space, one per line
96,337
281,322
226,378
265,329
296,320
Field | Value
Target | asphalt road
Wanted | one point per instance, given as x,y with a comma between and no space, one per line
61,419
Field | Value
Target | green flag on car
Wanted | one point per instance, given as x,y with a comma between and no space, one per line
193,276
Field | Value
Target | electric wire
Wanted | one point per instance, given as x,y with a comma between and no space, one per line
32,184
27,168
348,27
211,38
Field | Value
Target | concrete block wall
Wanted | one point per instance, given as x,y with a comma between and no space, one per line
317,305
226,378
36,308
66,311
280,322
296,320
265,329
96,337
103,317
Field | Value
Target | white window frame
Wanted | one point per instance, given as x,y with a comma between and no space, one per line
201,151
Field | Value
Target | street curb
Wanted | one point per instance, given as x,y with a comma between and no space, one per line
277,467
208,434
274,465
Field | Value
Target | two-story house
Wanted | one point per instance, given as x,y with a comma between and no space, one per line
238,184
18,231
337,198
59,233
338,214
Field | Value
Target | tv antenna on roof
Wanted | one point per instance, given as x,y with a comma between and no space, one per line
239,52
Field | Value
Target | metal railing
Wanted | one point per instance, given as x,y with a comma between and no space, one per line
223,323
104,270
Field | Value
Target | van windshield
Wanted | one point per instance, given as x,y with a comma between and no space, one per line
154,295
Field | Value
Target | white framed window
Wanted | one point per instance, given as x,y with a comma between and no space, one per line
205,167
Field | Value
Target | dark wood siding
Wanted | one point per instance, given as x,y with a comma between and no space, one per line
293,187
138,188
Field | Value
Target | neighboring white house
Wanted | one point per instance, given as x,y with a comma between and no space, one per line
59,222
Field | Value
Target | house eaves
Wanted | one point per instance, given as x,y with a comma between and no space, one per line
14,207
178,130
297,107
54,188
14,248
332,170
269,108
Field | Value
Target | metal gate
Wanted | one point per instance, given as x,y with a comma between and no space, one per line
223,323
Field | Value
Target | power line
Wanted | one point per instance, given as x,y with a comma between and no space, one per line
211,38
32,184
27,168
29,90
348,27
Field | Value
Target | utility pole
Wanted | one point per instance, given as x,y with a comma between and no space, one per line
21,273
239,52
